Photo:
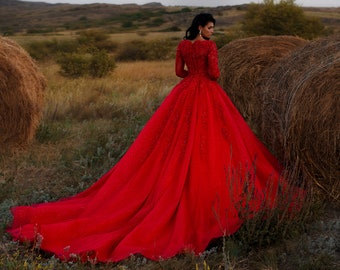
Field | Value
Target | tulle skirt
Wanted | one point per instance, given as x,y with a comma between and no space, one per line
193,174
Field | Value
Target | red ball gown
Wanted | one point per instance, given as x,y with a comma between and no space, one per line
184,181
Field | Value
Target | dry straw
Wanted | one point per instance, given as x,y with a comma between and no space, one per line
242,63
21,96
301,112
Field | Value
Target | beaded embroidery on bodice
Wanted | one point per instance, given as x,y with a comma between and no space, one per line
200,57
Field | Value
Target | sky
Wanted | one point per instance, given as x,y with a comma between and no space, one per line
202,3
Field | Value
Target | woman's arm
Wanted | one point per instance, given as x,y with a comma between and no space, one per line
180,63
213,69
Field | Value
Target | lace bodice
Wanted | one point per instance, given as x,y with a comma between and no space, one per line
199,57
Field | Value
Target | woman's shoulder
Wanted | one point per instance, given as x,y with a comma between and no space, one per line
198,45
200,42
211,43
184,41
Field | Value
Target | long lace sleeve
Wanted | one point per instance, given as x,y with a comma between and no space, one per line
180,71
213,69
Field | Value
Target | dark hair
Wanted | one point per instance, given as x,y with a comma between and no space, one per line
201,19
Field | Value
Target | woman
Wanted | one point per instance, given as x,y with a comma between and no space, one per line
187,179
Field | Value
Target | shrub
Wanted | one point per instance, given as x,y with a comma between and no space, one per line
51,131
40,50
127,24
152,50
101,64
97,64
132,51
222,39
74,64
186,9
49,49
96,38
283,18
172,29
156,22
92,37
160,50
88,40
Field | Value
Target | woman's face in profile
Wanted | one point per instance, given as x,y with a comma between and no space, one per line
207,30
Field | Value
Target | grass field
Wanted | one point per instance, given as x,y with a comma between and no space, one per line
87,126
115,37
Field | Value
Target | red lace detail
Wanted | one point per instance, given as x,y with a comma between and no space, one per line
199,57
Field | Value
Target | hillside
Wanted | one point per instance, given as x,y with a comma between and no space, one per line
38,17
20,17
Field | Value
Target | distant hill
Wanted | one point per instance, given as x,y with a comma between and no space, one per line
21,4
153,4
17,16
39,17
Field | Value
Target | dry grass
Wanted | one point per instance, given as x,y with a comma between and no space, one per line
144,35
139,86
330,13
24,40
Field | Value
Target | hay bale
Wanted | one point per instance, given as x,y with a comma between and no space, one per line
301,112
21,95
242,62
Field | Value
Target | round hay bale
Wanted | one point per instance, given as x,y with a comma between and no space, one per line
301,112
21,96
241,64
